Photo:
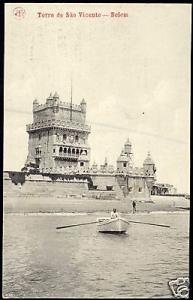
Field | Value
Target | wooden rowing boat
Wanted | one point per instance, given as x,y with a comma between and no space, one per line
108,225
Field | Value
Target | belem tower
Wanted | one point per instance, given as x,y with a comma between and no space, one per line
58,145
59,158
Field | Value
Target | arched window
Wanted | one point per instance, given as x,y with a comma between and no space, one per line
124,164
64,136
60,150
73,151
65,150
69,151
82,164
76,138
77,151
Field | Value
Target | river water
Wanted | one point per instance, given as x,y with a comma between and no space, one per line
40,261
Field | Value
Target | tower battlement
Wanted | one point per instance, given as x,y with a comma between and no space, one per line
54,109
67,105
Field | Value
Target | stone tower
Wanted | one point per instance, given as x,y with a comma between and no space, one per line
149,170
125,160
149,166
58,137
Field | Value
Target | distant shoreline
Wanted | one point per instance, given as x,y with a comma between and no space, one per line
93,213
74,205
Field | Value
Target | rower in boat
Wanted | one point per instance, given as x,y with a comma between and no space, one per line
114,214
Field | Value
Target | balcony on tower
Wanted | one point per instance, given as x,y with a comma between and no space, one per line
67,153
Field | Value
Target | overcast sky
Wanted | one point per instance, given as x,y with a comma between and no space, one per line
133,72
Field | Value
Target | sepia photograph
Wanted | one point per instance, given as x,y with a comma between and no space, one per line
96,150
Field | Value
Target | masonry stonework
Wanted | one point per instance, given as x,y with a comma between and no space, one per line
58,144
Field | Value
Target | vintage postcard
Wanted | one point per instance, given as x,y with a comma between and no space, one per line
96,175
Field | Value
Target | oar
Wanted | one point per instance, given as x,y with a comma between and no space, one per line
187,208
73,225
149,224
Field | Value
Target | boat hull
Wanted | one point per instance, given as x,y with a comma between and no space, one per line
108,225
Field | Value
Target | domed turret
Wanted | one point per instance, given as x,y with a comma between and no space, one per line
122,162
83,105
56,99
123,157
56,96
149,166
49,100
127,147
35,103
148,160
128,142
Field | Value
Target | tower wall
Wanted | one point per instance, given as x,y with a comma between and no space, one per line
58,135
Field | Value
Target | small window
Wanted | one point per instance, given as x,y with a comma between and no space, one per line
60,150
64,137
81,164
140,190
54,150
76,138
124,164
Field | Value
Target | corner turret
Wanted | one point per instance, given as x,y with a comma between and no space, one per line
127,147
35,104
149,166
49,100
55,98
83,106
122,162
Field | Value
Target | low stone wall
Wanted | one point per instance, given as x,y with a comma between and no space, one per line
43,186
102,194
101,186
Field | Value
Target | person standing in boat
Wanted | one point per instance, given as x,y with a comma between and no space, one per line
134,206
114,214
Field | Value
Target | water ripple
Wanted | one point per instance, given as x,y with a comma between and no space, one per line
39,261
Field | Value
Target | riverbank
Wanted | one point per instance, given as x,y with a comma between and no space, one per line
39,204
